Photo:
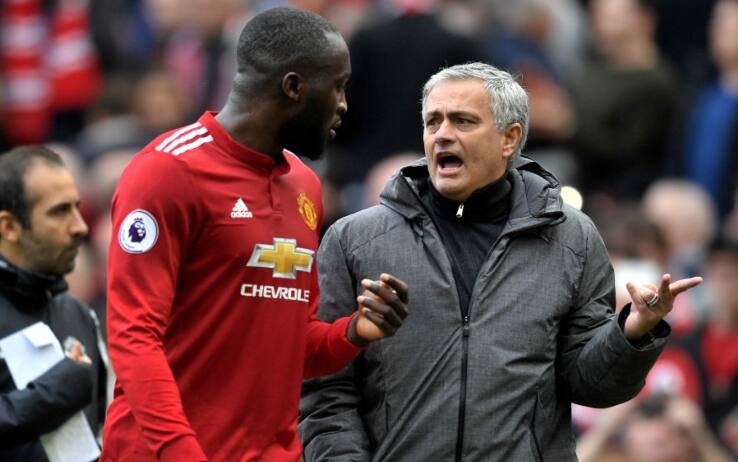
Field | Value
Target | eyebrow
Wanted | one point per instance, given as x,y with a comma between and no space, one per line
454,113
63,205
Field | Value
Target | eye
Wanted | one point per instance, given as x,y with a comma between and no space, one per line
60,210
431,122
466,123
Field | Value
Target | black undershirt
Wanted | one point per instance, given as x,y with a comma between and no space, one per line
469,239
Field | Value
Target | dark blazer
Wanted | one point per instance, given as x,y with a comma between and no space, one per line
66,388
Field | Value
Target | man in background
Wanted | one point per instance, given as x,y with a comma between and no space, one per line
41,230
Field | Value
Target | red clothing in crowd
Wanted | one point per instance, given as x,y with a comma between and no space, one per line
212,294
720,356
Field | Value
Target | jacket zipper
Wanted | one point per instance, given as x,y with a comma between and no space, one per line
464,365
465,314
462,394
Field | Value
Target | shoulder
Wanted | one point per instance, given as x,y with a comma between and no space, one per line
578,220
156,175
173,148
577,231
74,310
365,226
181,141
299,168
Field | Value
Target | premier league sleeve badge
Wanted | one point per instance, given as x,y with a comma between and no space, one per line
138,232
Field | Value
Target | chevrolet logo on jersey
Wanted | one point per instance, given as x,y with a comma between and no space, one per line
284,258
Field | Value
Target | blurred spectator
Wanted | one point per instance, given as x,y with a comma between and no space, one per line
71,159
714,345
49,66
520,44
629,234
390,60
104,174
563,23
160,102
710,150
687,218
194,51
122,29
132,111
731,221
109,122
660,428
636,246
625,99
378,176
682,36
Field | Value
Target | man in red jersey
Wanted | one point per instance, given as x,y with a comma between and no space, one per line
213,279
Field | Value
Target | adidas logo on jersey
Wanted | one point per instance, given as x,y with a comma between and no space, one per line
240,210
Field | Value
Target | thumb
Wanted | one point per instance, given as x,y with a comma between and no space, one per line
75,352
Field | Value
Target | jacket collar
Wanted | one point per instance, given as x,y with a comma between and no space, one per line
487,205
535,196
29,290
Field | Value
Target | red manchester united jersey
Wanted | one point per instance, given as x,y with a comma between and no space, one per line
212,294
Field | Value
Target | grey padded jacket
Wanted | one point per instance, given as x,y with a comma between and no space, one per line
497,385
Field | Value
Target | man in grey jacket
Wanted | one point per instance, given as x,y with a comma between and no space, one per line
513,300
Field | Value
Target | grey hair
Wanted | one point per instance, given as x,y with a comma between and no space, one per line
508,101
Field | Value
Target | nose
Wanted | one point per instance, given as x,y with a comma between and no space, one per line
445,133
78,227
342,104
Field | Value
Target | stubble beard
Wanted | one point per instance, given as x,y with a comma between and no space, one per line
304,133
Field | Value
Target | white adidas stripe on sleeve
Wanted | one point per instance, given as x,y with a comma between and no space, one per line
176,134
184,138
188,147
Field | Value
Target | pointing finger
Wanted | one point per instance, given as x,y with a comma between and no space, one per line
682,285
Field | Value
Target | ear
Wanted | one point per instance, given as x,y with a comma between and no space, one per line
511,139
10,227
294,86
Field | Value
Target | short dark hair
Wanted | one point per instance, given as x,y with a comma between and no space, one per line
281,38
13,167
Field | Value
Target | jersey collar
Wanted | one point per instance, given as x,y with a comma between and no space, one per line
237,150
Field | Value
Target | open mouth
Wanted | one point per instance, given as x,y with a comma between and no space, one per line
450,162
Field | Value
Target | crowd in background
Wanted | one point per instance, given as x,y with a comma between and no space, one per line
633,106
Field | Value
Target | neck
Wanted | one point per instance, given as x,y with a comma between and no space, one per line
12,254
253,126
